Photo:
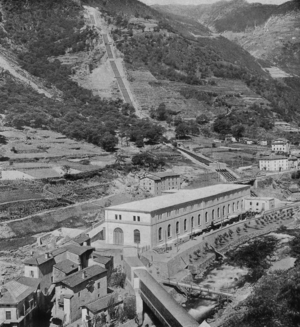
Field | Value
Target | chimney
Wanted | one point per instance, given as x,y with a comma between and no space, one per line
47,255
83,274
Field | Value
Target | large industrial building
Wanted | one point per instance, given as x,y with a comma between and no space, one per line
158,220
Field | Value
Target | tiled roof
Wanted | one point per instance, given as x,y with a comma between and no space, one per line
102,303
273,158
134,262
77,278
14,292
152,177
166,174
102,259
27,281
66,266
177,199
81,238
76,249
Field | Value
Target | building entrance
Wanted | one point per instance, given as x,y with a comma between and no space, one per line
118,236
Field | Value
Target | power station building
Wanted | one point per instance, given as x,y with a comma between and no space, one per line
161,219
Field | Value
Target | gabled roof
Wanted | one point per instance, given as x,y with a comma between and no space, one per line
166,174
102,303
41,259
66,266
14,292
273,158
77,278
28,281
101,259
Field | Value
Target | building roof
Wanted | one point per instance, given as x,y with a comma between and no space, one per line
102,259
152,177
178,312
102,303
66,266
14,292
165,174
134,262
81,238
175,199
258,198
77,278
28,281
273,158
75,249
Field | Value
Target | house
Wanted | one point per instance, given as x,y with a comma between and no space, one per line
280,145
259,203
156,221
263,142
156,183
77,290
18,303
293,162
42,267
274,163
105,307
106,262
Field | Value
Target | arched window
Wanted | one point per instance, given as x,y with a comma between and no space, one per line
192,222
199,220
206,217
177,227
137,236
224,211
160,234
218,212
169,230
228,208
184,225
213,214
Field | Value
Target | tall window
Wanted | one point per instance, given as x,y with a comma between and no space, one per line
137,236
184,224
199,220
213,214
8,315
192,222
237,205
169,230
224,211
206,217
160,234
233,207
218,212
177,227
228,208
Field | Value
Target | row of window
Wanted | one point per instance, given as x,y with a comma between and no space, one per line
230,208
118,216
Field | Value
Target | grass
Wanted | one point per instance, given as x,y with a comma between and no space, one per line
15,243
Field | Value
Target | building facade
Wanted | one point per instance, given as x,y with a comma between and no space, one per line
152,222
17,304
281,146
259,204
156,183
79,289
274,163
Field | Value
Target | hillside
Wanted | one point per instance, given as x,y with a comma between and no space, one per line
251,25
170,60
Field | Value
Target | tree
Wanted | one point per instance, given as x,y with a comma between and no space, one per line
202,119
238,131
109,142
161,112
222,126
182,130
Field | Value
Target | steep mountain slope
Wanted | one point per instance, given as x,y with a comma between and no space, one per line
276,27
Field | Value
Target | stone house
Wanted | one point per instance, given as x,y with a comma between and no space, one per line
156,183
18,303
77,290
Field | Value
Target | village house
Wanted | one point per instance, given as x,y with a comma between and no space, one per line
274,163
259,204
280,145
42,267
152,222
156,183
77,290
18,303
